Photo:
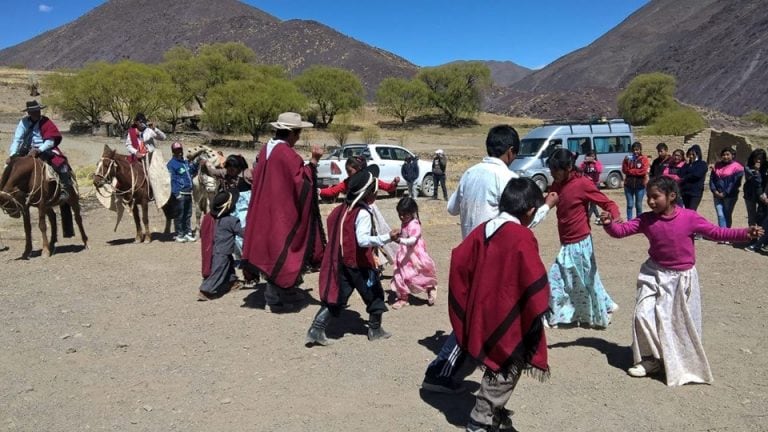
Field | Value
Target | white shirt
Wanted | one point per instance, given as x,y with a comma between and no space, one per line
363,225
476,200
494,224
149,136
272,144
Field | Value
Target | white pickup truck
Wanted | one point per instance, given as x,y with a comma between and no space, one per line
389,158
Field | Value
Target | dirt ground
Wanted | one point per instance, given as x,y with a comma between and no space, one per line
112,338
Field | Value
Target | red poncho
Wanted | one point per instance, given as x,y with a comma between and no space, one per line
498,292
342,249
283,230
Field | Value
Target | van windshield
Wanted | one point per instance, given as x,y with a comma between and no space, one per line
530,146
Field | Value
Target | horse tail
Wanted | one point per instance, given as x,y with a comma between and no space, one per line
67,228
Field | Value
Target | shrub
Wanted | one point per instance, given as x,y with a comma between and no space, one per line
757,117
679,121
371,135
647,97
340,132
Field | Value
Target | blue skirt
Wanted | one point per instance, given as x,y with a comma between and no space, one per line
577,294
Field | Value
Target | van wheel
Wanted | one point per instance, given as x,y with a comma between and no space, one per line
541,182
428,186
613,181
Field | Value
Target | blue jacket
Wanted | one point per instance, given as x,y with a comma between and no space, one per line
692,175
182,172
726,178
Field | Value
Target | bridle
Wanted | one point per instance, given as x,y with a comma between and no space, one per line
107,175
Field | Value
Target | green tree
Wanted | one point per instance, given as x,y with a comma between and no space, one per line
677,121
132,88
457,89
401,98
647,97
333,91
247,106
80,95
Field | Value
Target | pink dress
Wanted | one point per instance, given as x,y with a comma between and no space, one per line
414,268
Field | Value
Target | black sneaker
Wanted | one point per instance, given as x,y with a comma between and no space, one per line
441,385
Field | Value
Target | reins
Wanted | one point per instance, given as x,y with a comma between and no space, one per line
113,164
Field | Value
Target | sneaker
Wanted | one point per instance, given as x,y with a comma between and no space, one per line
547,324
181,239
613,308
190,237
441,385
399,304
751,248
644,368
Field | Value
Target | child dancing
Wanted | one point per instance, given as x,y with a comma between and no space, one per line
578,295
667,325
414,269
348,263
498,296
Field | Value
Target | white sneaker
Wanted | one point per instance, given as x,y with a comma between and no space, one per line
613,308
190,238
546,323
644,368
181,239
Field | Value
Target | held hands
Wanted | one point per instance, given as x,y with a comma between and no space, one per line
394,235
756,232
606,218
552,199
396,180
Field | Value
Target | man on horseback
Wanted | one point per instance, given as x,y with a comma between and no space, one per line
37,136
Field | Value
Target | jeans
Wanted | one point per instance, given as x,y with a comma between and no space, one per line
440,180
593,210
183,218
724,208
634,200
412,190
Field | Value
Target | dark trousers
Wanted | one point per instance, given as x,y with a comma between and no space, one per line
691,202
183,218
440,180
366,282
449,360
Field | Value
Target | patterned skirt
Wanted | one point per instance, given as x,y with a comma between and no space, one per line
577,294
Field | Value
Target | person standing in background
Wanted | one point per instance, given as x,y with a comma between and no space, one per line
439,163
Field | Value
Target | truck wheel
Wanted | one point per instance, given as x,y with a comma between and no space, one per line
541,182
613,181
428,186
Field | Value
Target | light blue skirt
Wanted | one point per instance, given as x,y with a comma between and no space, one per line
240,212
577,294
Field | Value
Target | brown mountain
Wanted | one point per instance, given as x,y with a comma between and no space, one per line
717,50
503,73
142,30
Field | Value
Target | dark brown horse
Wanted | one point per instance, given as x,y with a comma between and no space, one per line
24,184
132,186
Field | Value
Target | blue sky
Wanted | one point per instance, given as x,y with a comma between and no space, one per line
426,32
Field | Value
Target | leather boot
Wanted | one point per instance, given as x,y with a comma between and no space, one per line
65,184
375,331
316,332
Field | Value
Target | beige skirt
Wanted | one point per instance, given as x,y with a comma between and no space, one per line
667,323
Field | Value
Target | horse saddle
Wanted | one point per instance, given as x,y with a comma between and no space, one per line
50,174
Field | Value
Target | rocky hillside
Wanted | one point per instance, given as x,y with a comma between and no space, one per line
503,73
716,49
142,30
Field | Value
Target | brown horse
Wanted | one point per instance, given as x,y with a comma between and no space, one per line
24,184
132,186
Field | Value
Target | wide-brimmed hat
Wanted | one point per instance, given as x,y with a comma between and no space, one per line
290,120
33,106
223,203
439,152
361,182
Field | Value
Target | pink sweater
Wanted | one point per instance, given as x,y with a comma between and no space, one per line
671,237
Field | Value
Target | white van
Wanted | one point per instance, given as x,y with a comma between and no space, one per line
610,139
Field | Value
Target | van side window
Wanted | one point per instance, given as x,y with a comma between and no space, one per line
614,144
579,145
553,145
